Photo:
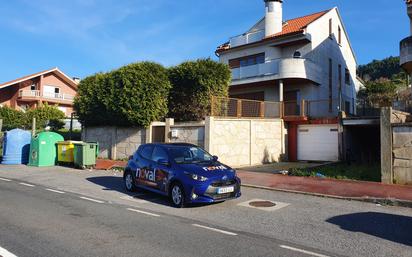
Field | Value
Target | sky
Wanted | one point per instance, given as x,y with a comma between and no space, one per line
83,37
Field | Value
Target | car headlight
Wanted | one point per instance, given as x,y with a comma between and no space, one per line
196,177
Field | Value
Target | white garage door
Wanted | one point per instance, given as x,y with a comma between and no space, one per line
318,143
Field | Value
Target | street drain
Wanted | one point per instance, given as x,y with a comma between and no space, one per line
262,204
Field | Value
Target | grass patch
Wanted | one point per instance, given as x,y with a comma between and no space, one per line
341,171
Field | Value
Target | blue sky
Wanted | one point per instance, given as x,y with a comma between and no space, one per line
83,37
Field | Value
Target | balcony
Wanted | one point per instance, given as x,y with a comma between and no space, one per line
406,54
45,96
247,38
278,69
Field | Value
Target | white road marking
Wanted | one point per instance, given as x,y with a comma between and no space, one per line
27,185
215,229
92,200
5,253
302,251
5,179
144,212
55,191
133,199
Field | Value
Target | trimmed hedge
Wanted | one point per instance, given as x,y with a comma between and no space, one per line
11,118
134,95
193,85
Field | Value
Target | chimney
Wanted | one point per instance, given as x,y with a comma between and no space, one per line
273,17
76,79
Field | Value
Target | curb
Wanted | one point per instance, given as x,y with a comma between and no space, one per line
382,201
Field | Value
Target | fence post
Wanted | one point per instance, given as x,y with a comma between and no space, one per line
262,110
239,108
1,125
302,108
33,127
386,145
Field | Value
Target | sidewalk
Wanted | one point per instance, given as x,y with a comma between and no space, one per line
344,189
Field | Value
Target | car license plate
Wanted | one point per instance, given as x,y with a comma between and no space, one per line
224,190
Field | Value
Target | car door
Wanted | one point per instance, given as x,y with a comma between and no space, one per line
160,159
145,170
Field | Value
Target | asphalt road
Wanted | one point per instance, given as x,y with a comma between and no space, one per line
87,213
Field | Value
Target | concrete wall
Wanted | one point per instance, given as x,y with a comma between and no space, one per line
115,143
396,147
402,154
244,142
188,132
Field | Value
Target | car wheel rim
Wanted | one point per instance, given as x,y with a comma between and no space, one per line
129,181
176,195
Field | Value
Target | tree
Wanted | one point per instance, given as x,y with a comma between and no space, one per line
134,95
193,85
378,93
46,115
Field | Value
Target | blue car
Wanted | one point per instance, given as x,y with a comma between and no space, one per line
186,173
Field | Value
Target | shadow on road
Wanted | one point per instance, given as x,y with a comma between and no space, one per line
395,228
111,183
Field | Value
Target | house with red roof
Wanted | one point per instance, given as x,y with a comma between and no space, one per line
306,64
50,86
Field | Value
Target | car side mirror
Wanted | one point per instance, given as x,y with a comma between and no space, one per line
163,162
215,158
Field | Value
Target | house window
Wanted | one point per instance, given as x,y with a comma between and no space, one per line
247,60
339,35
57,90
33,87
330,28
330,85
347,77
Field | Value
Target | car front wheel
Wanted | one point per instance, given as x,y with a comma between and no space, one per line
177,195
129,182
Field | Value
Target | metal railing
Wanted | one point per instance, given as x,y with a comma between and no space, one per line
48,95
244,108
247,38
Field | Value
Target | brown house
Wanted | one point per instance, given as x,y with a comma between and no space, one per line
50,86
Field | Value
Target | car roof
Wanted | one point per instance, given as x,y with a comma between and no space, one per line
171,144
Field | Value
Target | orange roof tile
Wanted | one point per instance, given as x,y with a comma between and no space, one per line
290,27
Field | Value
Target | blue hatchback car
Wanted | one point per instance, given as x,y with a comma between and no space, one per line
186,173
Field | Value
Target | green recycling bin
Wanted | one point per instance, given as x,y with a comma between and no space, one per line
84,154
43,149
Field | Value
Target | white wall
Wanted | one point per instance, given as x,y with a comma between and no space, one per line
244,142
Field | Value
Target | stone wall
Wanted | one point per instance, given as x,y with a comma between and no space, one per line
115,143
402,154
188,132
245,142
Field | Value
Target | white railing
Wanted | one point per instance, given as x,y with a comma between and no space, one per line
48,95
263,69
29,93
247,38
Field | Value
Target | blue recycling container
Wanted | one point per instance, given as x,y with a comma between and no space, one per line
16,147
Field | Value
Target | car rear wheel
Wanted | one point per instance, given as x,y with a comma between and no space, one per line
129,182
177,195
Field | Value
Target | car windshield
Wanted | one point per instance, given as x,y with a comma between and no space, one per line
189,154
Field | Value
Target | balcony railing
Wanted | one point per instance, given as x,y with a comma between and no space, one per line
262,69
247,38
46,95
244,108
280,68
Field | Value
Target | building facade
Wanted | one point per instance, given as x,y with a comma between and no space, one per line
306,63
50,86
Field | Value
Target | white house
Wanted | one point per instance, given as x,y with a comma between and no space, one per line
308,64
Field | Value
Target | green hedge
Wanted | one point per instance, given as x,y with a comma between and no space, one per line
134,95
193,85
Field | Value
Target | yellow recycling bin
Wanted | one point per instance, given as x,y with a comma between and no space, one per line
65,152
